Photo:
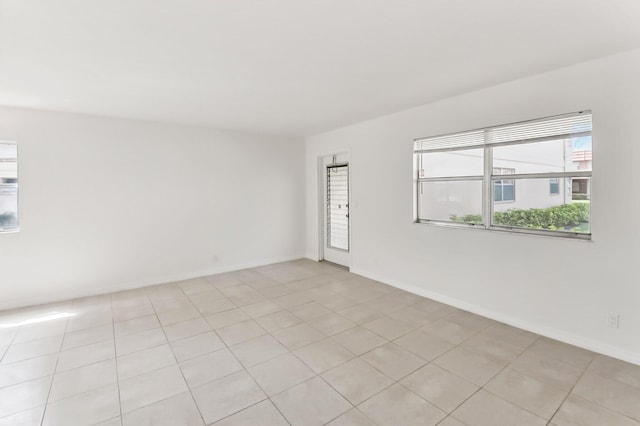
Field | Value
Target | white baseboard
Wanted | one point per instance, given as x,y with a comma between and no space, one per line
146,282
553,333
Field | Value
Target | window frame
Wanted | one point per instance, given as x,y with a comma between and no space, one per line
15,185
503,184
489,177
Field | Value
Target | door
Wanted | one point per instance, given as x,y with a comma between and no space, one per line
336,245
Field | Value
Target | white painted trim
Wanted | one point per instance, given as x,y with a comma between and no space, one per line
553,333
60,297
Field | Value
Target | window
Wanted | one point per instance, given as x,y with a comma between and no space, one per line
469,179
504,189
8,187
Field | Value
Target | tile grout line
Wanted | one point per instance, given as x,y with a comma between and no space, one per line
53,375
176,358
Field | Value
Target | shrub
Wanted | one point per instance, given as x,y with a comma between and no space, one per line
553,218
467,218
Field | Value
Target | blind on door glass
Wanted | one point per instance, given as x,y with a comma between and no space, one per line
338,207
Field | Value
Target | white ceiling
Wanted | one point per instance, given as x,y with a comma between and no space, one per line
288,66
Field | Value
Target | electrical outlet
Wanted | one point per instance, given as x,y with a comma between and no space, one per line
613,320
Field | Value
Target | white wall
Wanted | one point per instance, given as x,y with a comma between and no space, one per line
107,204
558,287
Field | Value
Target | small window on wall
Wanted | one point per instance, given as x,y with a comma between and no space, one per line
504,190
8,187
469,179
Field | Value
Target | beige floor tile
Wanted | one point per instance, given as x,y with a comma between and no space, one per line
212,306
139,341
250,298
360,314
562,352
496,350
145,361
451,421
40,331
278,320
178,315
357,380
195,286
184,329
226,396
31,417
22,371
258,350
393,360
116,421
297,336
85,355
359,340
470,320
226,318
548,370
579,412
612,394
171,302
240,332
527,392
280,373
87,336
136,325
195,346
331,324
390,328
23,396
83,379
309,311
423,344
176,410
511,335
485,409
260,414
353,417
89,320
397,405
86,409
413,316
32,349
151,387
443,389
449,331
323,355
311,403
475,368
207,368
615,369
261,309
132,312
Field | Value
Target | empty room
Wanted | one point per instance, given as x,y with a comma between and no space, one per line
319,212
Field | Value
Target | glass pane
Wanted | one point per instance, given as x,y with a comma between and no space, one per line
338,207
454,201
562,155
8,187
536,208
468,162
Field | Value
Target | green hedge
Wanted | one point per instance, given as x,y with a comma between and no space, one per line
557,217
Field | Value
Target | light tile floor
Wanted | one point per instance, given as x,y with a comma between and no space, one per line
300,343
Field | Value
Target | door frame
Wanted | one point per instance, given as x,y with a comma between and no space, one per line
322,195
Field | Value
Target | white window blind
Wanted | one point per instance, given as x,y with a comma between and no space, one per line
560,127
